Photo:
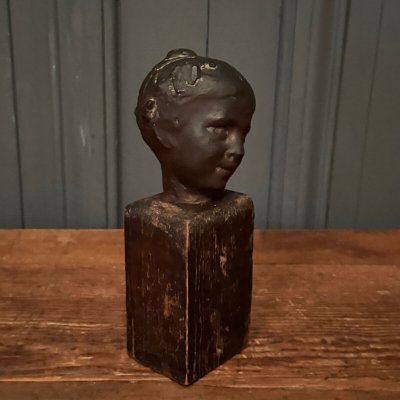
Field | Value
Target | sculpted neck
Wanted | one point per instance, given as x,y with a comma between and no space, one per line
176,192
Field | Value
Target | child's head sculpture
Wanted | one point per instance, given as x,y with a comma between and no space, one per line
194,113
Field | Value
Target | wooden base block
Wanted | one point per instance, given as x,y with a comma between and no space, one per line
189,280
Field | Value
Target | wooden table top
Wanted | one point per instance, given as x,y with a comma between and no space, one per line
325,320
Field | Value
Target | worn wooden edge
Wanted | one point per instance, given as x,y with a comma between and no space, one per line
157,390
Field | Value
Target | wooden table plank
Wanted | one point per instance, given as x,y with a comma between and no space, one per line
325,319
327,247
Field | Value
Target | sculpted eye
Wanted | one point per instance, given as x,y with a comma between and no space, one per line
221,131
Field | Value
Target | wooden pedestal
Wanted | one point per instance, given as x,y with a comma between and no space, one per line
189,280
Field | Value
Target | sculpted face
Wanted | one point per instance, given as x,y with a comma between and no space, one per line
194,113
208,146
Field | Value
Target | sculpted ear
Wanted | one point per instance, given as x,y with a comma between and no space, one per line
163,130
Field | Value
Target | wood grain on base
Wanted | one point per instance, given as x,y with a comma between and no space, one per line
325,319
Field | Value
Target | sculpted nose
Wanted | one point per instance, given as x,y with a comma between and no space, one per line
236,146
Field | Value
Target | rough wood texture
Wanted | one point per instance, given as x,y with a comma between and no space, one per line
189,279
325,320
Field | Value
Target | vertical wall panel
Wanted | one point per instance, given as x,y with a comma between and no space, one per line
149,29
109,24
245,34
81,61
281,112
10,195
311,52
379,198
323,81
299,103
33,38
359,71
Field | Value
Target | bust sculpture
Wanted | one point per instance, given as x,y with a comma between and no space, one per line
194,113
189,249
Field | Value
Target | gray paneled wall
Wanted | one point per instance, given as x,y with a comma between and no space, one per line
59,116
323,151
365,190
309,65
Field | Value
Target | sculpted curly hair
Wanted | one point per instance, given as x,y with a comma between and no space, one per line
181,77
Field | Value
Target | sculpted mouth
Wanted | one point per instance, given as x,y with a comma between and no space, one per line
228,169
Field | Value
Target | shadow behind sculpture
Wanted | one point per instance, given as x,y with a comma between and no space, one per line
189,249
